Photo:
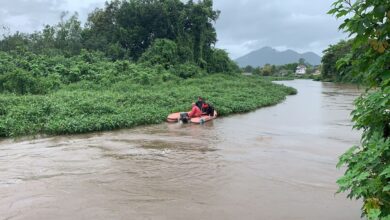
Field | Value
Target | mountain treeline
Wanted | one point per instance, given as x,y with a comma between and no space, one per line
280,70
175,39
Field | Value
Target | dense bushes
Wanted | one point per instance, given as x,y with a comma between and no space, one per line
153,32
23,72
26,73
167,54
187,70
85,106
162,52
337,63
219,62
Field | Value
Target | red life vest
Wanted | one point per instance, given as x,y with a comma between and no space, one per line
195,112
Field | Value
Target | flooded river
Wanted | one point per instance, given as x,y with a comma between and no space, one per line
275,163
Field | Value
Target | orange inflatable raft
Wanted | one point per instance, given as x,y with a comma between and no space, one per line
174,117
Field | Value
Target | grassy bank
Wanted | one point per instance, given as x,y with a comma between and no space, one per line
278,78
291,77
86,107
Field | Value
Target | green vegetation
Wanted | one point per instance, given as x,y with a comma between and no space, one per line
337,63
278,78
368,166
133,63
87,106
154,32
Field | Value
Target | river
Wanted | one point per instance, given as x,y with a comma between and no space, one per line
274,163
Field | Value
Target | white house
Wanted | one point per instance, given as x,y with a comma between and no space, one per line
301,69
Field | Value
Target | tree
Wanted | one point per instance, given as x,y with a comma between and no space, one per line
267,70
368,166
135,24
302,61
337,65
127,29
12,42
248,69
257,71
333,54
68,35
219,62
162,52
64,38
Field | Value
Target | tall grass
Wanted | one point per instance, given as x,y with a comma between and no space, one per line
86,107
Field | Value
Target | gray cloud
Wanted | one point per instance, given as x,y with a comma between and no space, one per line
244,25
302,25
31,15
28,16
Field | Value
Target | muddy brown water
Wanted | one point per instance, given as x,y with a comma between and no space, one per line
274,163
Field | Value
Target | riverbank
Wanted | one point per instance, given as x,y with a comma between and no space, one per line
86,107
291,77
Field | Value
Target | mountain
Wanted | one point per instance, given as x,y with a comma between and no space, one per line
269,55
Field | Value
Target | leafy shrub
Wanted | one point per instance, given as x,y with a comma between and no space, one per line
187,70
219,62
21,82
162,52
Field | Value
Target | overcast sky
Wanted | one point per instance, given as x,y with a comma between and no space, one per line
244,25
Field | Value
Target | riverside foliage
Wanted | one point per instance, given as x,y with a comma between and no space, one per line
337,63
368,166
164,32
88,106
133,63
89,92
125,67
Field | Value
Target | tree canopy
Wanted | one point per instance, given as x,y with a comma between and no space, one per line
126,29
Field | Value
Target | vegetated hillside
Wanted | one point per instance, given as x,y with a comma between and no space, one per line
271,56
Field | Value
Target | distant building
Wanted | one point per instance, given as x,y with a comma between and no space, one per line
317,72
301,69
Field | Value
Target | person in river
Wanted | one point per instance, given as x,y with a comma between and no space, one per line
199,103
195,112
207,109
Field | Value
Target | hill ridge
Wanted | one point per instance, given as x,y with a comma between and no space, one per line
270,55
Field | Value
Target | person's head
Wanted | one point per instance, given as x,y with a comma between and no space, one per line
200,98
184,120
193,104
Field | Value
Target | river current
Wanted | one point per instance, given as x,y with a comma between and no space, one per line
275,163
